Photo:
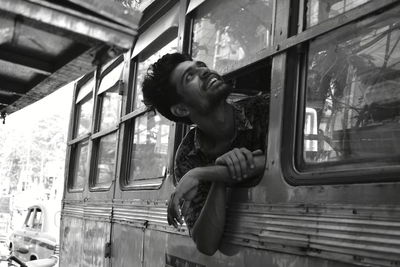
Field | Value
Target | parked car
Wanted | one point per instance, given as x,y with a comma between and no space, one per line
4,251
39,236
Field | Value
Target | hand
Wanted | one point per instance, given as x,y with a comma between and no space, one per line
240,162
174,215
185,190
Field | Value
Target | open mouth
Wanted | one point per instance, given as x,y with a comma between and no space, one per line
212,80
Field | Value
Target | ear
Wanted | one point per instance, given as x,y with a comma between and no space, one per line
180,110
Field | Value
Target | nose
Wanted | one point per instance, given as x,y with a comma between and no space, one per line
203,72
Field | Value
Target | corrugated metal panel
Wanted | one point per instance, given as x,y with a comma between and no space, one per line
359,235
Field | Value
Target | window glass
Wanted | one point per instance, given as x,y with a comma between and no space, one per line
321,10
110,111
229,34
144,64
105,169
29,218
37,221
80,165
353,93
111,78
150,146
84,116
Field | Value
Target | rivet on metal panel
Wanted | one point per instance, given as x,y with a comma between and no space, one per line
277,47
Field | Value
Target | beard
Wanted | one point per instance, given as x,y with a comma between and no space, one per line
220,93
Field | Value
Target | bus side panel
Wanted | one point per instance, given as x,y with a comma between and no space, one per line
155,248
96,237
127,245
182,252
71,241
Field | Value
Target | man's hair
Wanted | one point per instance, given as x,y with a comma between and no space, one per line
158,92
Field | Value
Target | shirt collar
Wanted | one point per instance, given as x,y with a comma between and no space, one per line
242,123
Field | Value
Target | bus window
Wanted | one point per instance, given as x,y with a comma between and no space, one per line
321,10
353,85
81,133
105,140
149,132
149,143
150,147
144,63
84,108
80,169
230,34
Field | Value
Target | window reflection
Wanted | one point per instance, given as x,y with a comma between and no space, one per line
110,110
80,165
111,78
106,160
228,34
143,65
150,146
84,115
353,92
320,10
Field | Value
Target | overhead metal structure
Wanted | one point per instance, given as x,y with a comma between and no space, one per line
46,44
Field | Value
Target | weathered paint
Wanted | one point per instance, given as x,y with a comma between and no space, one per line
127,245
71,241
96,236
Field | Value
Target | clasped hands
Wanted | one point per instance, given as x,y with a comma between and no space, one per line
240,164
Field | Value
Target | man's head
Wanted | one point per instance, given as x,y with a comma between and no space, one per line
178,87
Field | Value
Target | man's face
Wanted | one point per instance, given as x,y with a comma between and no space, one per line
200,88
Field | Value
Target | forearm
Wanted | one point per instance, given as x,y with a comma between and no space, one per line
220,173
209,227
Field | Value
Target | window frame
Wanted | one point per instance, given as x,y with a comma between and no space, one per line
262,55
97,134
75,141
167,35
294,107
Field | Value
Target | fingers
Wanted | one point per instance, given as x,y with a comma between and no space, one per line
257,152
249,156
239,162
174,216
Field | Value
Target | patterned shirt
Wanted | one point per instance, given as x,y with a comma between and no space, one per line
251,120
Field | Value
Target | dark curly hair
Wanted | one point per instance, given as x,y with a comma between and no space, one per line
158,92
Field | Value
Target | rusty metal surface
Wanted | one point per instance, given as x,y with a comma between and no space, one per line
361,234
71,244
127,245
96,236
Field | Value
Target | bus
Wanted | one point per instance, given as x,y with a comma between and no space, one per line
329,195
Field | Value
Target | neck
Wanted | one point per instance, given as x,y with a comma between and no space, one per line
218,124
